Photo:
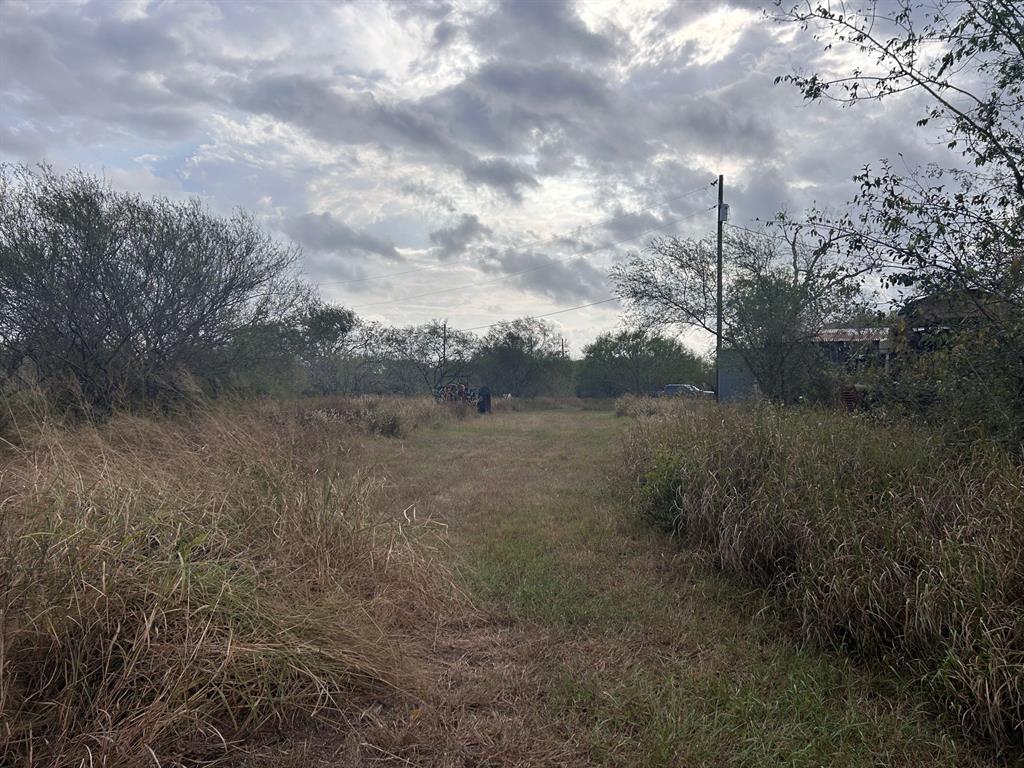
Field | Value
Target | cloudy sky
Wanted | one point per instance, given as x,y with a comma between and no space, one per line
472,161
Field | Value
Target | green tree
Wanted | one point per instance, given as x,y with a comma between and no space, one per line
124,297
523,358
636,362
432,354
955,230
320,338
779,292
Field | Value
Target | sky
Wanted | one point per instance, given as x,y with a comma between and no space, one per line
468,161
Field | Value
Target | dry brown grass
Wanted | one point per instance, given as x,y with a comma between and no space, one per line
378,415
547,403
880,542
181,590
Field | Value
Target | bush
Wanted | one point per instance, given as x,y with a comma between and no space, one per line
171,590
111,299
881,542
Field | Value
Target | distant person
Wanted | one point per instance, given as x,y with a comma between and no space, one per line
483,403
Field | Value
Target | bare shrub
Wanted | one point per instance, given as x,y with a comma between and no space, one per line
112,298
882,542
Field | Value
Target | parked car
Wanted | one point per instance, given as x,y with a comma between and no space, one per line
683,390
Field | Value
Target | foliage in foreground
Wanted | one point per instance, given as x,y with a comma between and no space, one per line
879,542
177,589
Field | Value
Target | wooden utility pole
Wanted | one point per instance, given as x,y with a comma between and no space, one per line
718,321
444,352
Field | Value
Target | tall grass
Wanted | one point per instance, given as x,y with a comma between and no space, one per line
379,415
880,542
177,589
549,403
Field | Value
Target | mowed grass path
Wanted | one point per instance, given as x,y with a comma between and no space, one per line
602,643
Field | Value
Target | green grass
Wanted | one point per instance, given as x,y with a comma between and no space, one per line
522,576
791,710
619,647
655,658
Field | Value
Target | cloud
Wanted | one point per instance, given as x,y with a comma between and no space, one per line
625,224
452,241
444,33
322,233
563,280
388,120
360,118
540,30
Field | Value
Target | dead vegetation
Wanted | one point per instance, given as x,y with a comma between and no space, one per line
880,542
187,589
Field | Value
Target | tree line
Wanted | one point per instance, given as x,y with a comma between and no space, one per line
109,300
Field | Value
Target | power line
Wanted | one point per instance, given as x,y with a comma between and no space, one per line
532,269
547,314
730,225
533,244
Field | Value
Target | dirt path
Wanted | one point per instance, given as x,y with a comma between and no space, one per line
597,642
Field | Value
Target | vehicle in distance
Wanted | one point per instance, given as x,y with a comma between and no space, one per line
683,390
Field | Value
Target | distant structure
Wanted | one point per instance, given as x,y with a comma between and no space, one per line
735,380
845,346
925,321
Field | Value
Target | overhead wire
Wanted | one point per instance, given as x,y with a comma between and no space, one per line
546,314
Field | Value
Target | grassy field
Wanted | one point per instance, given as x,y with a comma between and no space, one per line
599,642
481,594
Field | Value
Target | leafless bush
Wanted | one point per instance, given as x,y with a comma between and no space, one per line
110,298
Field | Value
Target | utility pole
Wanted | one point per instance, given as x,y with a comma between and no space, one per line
444,351
723,214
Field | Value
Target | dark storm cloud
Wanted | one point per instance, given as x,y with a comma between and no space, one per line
560,279
542,85
322,233
452,241
444,33
359,118
537,31
58,65
624,224
553,111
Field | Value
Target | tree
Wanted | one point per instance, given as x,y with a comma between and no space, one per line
434,353
322,337
120,296
779,294
956,230
635,362
522,357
